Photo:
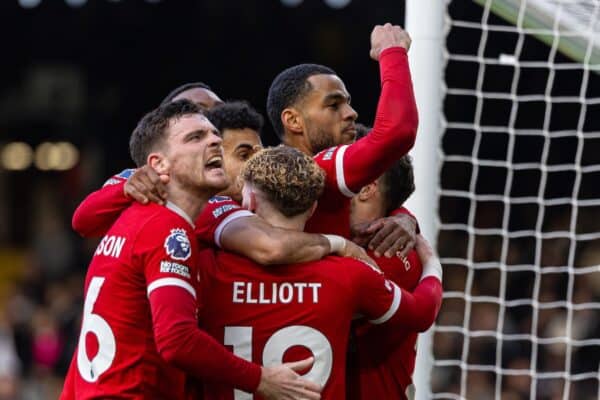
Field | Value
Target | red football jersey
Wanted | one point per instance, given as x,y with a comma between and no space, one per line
218,212
140,308
285,313
384,361
149,247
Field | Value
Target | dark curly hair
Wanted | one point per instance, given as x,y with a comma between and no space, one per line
180,89
235,115
289,87
152,128
290,179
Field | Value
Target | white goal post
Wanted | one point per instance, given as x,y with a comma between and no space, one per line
507,169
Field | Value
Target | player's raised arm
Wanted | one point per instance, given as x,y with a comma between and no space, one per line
395,127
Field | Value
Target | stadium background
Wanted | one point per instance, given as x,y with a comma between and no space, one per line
85,74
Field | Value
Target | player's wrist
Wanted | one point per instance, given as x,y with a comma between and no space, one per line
433,267
392,49
337,244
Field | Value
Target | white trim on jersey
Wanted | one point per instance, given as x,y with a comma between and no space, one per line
393,307
231,217
339,172
162,282
432,268
180,212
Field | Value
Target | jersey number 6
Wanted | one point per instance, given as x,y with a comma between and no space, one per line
90,370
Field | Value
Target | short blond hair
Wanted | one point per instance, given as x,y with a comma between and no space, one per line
290,179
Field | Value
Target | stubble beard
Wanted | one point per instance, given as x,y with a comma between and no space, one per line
319,140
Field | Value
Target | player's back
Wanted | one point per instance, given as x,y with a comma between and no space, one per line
117,355
285,313
384,360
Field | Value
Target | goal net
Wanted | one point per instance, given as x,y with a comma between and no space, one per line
519,202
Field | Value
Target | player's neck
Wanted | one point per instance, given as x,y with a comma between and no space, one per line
364,212
190,202
298,142
278,220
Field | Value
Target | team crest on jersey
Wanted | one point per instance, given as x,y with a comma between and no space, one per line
178,245
218,199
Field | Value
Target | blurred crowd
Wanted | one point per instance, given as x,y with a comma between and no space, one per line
41,298
517,316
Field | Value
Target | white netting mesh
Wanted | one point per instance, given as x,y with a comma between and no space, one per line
520,202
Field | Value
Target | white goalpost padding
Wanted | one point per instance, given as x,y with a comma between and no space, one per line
426,69
517,153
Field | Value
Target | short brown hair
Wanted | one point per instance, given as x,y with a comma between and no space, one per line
290,179
151,129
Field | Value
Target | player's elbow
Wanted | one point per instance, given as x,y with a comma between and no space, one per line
427,314
169,348
426,320
408,127
79,226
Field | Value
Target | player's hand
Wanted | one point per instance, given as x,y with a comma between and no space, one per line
389,236
283,382
424,249
355,251
146,185
386,36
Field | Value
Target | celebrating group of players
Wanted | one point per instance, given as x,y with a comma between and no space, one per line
206,283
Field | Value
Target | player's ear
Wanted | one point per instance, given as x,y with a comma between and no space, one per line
292,120
368,191
158,162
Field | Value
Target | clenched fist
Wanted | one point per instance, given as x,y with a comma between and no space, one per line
386,36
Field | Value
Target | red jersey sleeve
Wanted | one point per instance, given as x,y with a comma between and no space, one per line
218,212
99,210
419,309
394,131
416,310
170,261
376,297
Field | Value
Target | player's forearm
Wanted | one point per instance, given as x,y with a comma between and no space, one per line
267,245
395,128
99,210
418,310
288,247
180,342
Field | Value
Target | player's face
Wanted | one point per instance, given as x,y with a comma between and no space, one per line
195,154
327,114
203,98
238,146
